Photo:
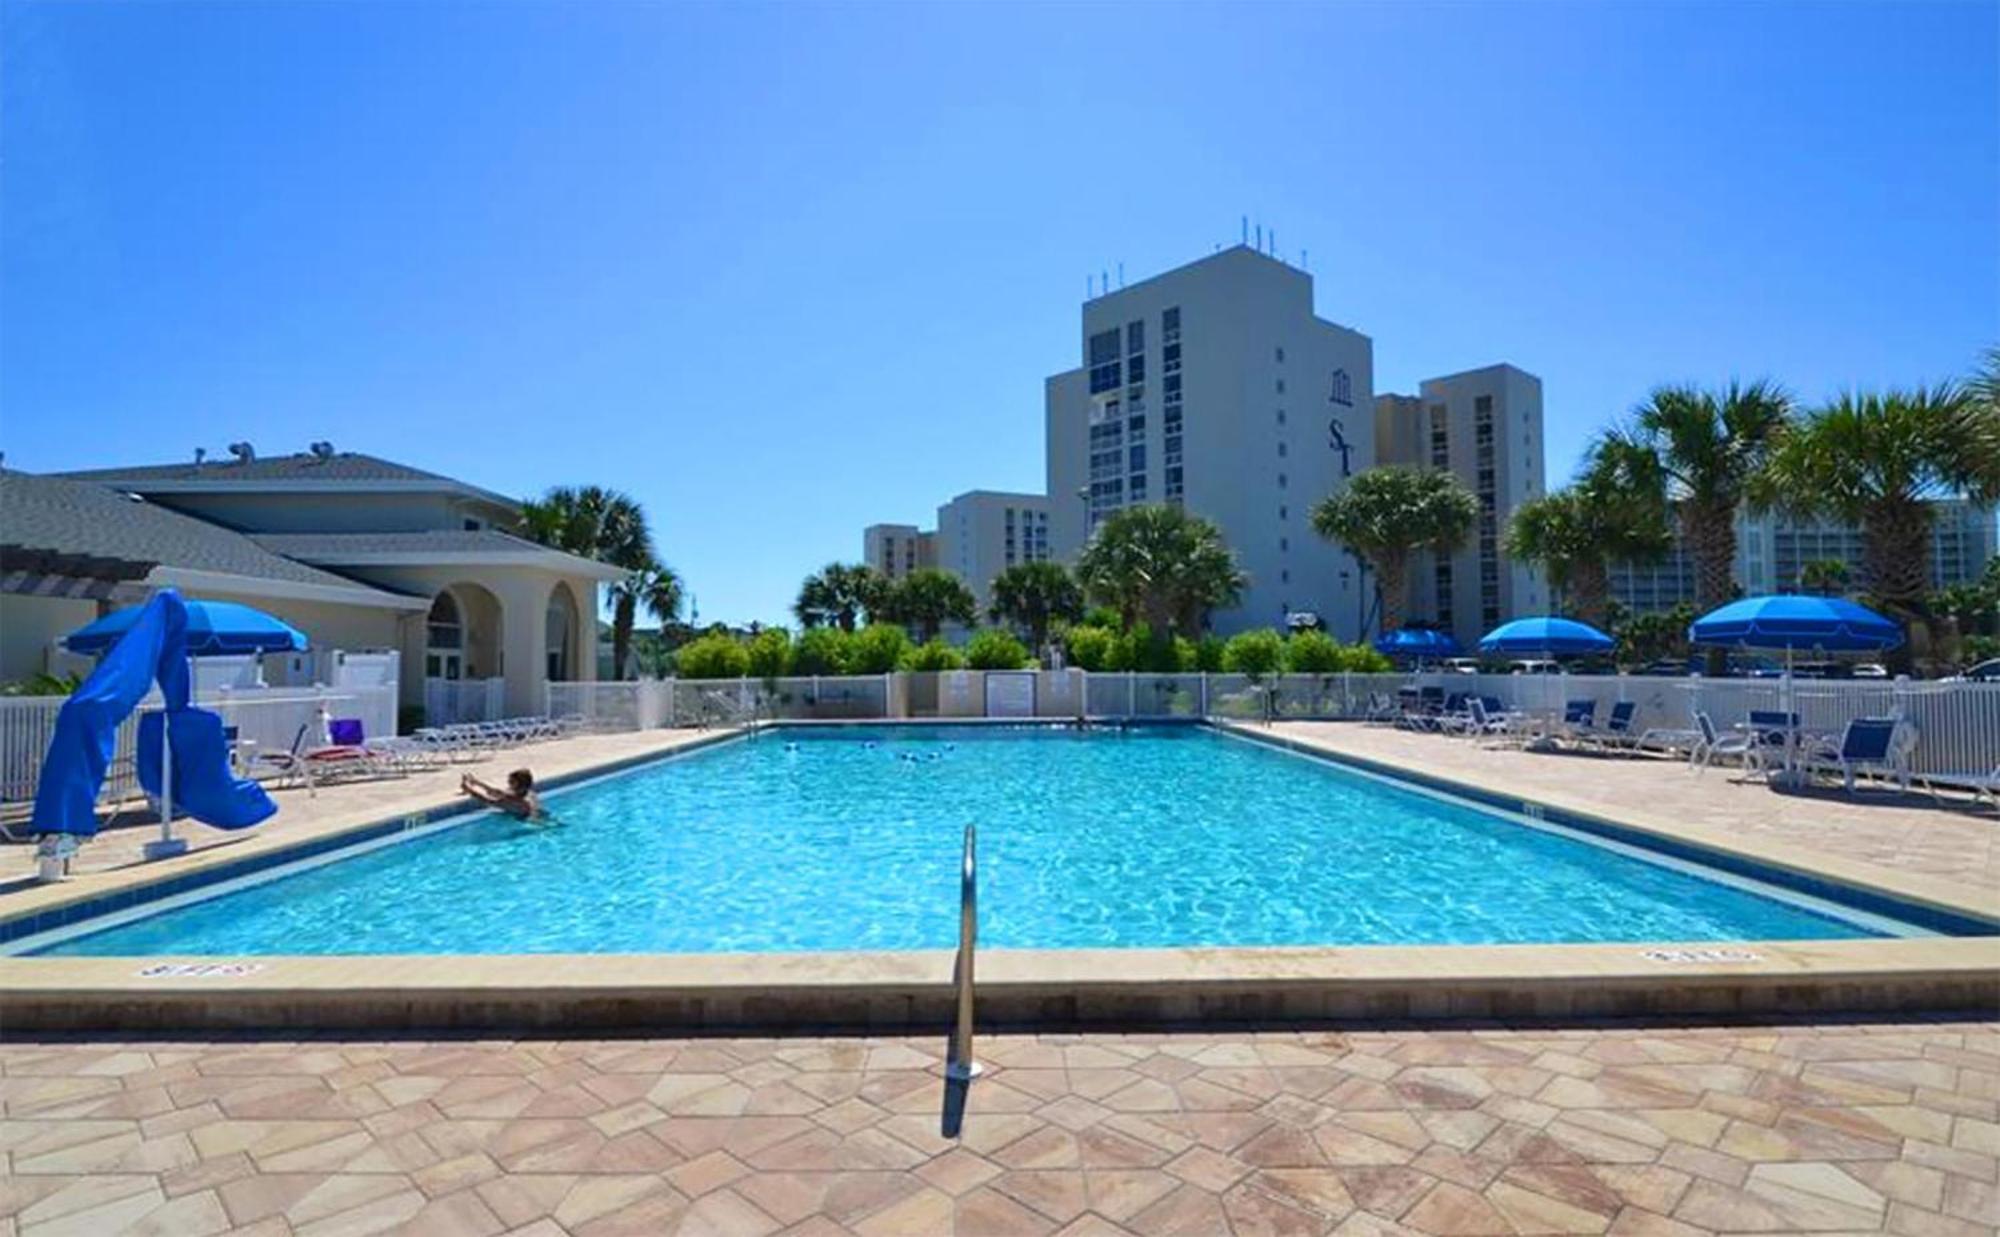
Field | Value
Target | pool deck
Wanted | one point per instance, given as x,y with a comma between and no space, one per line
1937,856
1630,1130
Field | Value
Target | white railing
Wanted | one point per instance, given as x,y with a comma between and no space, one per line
1958,724
451,701
266,719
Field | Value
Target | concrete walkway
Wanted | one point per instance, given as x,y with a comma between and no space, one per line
1610,1129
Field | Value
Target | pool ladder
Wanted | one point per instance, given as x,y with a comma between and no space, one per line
960,1065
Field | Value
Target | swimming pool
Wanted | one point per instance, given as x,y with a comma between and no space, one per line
847,838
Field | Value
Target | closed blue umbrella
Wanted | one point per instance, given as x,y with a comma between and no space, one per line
1417,642
1796,621
1547,635
214,628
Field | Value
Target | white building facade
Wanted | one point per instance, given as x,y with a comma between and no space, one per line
896,550
983,532
1484,426
1773,548
1214,386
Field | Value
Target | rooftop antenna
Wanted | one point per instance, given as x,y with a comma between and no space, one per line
1246,229
1273,250
1303,264
1105,278
1121,274
1260,238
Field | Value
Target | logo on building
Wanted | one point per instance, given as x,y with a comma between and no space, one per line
1337,439
1343,390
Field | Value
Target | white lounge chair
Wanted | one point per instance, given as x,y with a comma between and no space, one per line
1718,746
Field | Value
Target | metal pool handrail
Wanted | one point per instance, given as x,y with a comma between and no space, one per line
960,1066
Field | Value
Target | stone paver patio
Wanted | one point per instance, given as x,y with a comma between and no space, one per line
1606,1129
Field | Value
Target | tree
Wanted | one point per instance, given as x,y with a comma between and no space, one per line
769,655
1828,576
713,656
1161,566
927,599
1036,596
1313,652
877,649
593,522
1708,447
1090,647
1877,460
1388,513
840,594
932,655
654,588
1615,512
994,648
821,650
1254,653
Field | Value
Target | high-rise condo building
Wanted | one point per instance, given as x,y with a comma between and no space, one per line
1215,387
896,550
1484,426
983,532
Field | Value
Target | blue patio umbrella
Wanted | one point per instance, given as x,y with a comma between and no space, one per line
1418,642
1796,621
214,629
1547,635
1791,621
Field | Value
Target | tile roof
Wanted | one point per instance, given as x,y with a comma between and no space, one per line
337,549
53,514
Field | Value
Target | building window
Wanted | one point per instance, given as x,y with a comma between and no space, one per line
1170,325
1281,386
1281,450
1281,356
1281,481
1135,336
1104,371
1281,416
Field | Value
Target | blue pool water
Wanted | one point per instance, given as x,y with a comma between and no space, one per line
850,840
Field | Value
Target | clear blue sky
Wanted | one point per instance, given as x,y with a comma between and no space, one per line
785,271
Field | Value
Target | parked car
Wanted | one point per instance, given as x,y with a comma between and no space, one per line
1987,671
1533,666
1671,666
1460,665
1872,670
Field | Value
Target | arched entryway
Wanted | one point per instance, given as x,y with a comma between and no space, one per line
562,638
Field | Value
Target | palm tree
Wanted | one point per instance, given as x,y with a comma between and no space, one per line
654,588
1160,565
1877,460
1709,446
927,599
1388,513
594,522
1615,512
840,594
1035,596
1826,576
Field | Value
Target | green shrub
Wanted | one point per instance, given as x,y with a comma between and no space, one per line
714,656
993,648
1103,616
933,654
770,653
1208,653
1365,659
821,650
1314,652
877,649
1090,647
1254,653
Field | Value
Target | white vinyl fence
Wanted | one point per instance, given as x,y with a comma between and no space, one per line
266,719
451,701
1957,724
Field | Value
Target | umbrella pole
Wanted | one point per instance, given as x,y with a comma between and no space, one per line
167,845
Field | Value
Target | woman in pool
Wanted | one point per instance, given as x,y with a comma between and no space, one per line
518,800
